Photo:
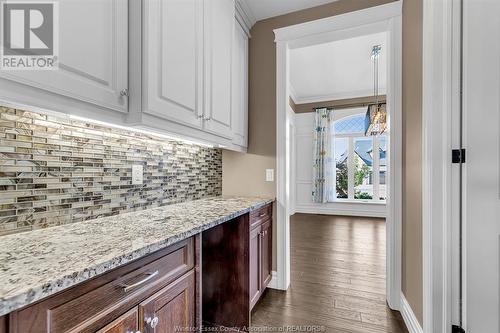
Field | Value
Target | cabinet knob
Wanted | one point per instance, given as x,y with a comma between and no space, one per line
124,93
207,118
152,321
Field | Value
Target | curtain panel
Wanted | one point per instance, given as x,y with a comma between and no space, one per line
324,168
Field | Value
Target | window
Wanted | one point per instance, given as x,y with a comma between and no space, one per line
383,168
341,155
363,168
360,173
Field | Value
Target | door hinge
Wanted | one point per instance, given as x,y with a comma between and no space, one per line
458,156
457,329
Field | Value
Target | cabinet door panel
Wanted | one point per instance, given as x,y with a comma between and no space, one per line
93,54
240,87
125,324
255,272
219,43
266,239
173,60
170,309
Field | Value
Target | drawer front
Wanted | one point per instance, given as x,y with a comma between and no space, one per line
260,215
81,309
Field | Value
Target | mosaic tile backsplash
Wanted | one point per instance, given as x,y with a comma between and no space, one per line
57,170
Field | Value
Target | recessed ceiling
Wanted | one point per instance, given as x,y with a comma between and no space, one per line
337,70
262,9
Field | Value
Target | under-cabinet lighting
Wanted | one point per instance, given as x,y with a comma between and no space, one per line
138,130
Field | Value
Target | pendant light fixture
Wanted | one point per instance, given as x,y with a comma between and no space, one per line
376,115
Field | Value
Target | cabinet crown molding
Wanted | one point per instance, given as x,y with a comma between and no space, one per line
244,16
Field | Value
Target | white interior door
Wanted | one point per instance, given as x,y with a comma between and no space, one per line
481,125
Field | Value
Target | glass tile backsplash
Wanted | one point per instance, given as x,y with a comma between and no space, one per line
57,170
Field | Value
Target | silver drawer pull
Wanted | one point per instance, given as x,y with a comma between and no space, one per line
127,288
262,214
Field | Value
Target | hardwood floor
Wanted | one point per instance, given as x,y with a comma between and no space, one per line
337,279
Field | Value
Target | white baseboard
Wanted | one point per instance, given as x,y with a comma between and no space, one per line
357,211
274,281
411,321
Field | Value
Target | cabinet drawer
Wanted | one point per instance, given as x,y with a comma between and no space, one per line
260,215
92,305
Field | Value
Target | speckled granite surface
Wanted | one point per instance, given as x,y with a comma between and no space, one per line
37,264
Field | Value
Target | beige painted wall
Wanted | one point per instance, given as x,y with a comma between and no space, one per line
244,174
412,283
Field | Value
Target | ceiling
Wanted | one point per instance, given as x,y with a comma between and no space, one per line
262,9
337,70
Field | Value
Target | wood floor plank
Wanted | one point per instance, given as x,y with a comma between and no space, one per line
337,279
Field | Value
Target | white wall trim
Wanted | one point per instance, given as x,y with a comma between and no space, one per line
273,284
394,182
385,16
409,317
330,209
346,21
282,174
437,110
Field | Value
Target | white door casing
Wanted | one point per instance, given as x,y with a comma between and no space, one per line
375,19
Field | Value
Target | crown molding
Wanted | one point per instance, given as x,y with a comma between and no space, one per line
244,15
332,97
291,91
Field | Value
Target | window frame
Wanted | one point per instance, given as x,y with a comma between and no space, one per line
351,163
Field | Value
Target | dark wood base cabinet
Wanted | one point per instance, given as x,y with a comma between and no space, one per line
162,293
261,248
237,259
129,322
153,294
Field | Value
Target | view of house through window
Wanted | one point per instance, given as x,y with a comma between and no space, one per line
360,172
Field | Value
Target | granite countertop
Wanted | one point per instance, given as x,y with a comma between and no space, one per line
37,264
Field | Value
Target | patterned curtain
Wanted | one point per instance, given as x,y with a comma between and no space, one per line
324,159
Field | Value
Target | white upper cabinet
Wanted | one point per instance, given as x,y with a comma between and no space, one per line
219,31
172,42
240,87
175,66
93,60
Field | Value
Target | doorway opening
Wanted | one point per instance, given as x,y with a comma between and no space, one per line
386,184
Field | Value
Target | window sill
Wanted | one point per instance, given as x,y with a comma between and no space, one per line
364,202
